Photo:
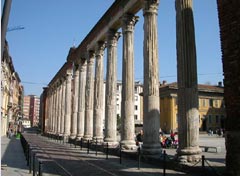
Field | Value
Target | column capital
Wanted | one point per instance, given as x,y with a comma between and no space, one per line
128,22
112,37
91,56
101,45
150,6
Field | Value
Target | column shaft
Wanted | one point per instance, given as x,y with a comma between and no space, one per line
188,126
54,110
88,128
81,99
98,94
151,111
68,105
63,106
58,109
127,110
111,86
75,103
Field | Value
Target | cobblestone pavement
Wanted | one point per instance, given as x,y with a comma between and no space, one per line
63,159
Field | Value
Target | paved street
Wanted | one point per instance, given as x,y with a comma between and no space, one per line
59,159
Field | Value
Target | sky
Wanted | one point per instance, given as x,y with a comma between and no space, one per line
51,27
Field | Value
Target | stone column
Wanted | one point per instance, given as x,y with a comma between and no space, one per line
127,110
50,110
54,110
98,94
75,103
88,128
111,86
188,126
68,96
58,109
81,99
63,106
151,112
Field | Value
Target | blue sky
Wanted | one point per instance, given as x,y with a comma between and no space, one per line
51,27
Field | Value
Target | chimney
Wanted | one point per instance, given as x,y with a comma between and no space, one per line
220,84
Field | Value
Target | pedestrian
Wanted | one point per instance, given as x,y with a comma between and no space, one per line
139,138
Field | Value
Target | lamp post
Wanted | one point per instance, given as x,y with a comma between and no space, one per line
4,23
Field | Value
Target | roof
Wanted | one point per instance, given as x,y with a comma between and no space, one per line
201,87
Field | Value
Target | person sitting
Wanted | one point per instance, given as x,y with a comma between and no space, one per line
139,137
172,135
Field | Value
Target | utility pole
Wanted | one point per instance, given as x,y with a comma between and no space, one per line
4,23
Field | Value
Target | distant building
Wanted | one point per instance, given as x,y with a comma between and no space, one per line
211,107
31,108
11,93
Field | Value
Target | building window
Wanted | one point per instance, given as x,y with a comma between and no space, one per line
209,119
203,102
135,89
136,107
176,101
211,102
136,117
216,103
136,98
217,119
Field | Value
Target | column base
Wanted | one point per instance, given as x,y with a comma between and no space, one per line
111,144
128,145
72,136
152,150
79,137
65,138
98,139
87,137
189,155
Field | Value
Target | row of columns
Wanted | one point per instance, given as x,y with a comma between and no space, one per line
84,119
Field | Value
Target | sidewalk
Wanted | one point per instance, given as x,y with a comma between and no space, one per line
13,162
63,159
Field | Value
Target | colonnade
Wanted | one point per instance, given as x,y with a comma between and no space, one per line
75,100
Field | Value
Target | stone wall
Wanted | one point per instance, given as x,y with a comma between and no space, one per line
229,21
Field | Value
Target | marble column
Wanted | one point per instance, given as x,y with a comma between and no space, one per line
81,99
188,125
75,103
54,110
127,107
58,108
111,86
63,106
151,112
50,111
89,92
98,94
68,97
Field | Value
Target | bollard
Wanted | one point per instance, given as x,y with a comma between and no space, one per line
96,147
81,143
40,168
27,154
88,147
33,163
164,162
120,154
203,159
139,157
107,151
30,162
